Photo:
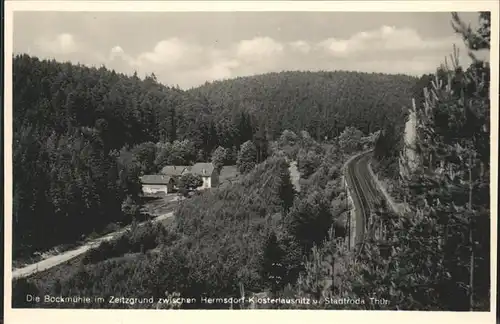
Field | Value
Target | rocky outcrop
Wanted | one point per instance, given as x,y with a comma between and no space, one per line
294,175
409,158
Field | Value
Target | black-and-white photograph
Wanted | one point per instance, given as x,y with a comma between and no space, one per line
251,160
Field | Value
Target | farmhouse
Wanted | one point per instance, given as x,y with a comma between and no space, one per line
157,183
207,172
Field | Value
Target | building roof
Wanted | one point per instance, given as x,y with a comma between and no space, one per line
202,169
156,179
173,170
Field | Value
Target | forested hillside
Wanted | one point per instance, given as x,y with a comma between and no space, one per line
83,135
322,103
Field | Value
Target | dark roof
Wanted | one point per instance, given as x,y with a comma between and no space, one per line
155,179
202,169
173,170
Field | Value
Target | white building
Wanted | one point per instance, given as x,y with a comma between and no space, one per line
156,183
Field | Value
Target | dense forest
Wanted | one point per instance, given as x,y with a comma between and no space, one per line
84,135
322,103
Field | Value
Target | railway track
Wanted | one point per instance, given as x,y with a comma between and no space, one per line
366,195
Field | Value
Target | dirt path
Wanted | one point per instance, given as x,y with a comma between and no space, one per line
68,255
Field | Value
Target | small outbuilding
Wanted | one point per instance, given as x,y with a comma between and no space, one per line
157,183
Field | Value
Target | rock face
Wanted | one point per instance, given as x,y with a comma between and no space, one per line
295,175
409,160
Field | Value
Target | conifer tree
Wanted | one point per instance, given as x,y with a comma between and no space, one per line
247,157
272,268
448,192
219,158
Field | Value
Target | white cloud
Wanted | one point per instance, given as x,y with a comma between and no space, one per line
386,49
336,47
258,48
171,52
61,44
121,60
215,71
385,39
117,50
301,46
189,51
176,61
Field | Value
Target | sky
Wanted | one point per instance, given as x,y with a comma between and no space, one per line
191,48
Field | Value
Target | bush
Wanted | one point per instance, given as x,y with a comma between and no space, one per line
189,182
145,237
308,162
112,227
140,239
102,252
309,220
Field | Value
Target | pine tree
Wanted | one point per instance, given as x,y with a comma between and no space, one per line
272,269
245,128
130,208
287,189
247,157
447,191
219,158
262,143
309,220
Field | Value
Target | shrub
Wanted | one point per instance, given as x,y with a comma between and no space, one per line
140,239
189,182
